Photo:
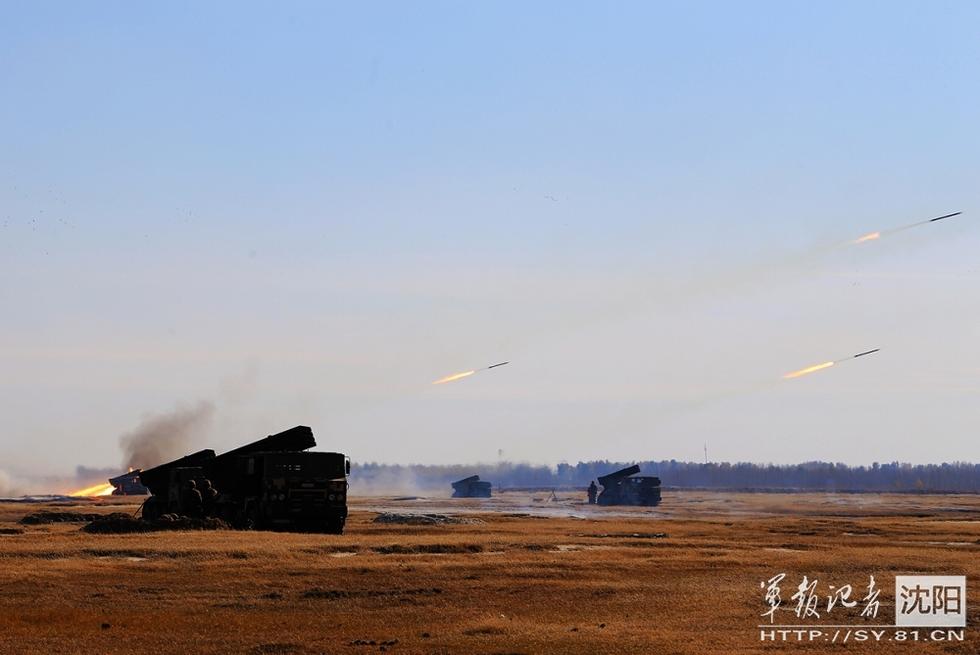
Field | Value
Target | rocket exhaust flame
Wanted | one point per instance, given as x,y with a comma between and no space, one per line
868,237
454,377
871,236
820,367
466,374
808,369
104,489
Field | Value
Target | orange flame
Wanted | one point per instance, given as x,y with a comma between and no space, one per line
104,489
454,377
871,236
808,369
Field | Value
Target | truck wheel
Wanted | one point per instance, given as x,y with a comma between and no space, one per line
335,526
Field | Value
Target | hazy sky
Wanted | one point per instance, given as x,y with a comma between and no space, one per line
305,213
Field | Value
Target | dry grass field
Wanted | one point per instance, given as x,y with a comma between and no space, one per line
530,576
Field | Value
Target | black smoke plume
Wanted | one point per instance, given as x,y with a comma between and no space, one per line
163,437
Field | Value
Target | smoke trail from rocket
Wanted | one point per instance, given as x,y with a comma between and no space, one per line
466,374
819,367
874,236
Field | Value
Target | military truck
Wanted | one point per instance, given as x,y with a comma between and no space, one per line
624,487
128,484
471,487
270,484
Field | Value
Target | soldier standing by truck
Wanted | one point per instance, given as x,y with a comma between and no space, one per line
191,503
593,491
209,498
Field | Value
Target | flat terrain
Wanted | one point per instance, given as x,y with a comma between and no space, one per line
529,575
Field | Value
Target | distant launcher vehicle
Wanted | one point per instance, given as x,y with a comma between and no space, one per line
471,487
128,484
271,484
624,487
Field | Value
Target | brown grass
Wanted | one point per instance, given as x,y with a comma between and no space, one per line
608,582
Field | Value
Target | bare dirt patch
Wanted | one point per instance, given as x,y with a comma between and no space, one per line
43,518
118,523
425,519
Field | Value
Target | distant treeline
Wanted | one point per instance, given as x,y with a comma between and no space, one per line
818,476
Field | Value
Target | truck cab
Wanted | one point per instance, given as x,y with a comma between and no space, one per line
305,491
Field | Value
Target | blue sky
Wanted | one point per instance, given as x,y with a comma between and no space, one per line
307,212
